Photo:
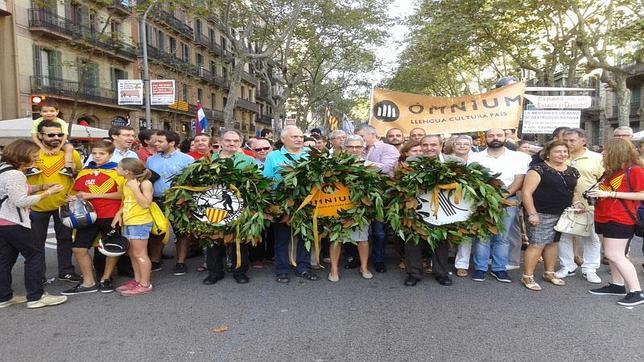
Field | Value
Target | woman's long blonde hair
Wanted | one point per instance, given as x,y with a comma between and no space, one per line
620,154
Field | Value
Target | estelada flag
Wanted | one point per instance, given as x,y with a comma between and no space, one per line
499,108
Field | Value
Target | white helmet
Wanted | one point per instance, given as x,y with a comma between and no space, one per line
77,214
114,244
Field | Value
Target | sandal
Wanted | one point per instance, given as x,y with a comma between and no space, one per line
528,282
402,265
551,278
462,273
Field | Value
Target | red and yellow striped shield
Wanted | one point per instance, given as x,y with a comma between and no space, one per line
215,215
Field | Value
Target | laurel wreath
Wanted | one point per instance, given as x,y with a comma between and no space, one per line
473,181
247,182
365,184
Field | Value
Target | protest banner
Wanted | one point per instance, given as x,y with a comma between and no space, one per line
130,92
544,122
162,92
499,108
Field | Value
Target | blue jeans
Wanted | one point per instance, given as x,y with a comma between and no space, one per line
282,240
498,246
378,239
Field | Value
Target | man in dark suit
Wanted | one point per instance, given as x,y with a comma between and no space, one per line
432,146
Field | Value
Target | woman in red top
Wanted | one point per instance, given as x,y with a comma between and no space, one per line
619,195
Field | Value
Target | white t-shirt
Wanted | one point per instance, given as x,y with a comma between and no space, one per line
508,164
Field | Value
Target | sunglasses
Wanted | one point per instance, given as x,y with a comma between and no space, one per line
261,149
52,135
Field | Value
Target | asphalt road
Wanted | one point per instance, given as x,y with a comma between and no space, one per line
356,320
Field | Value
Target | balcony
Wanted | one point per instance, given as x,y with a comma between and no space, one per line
217,49
49,24
268,120
214,115
120,7
71,89
634,108
171,21
247,105
262,92
249,78
202,40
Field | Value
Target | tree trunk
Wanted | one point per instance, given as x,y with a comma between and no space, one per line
235,83
623,95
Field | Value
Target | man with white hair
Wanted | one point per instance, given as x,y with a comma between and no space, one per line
337,138
385,157
624,132
293,150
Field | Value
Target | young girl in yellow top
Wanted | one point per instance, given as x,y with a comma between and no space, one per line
136,219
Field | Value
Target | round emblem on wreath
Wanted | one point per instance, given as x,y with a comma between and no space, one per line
218,206
443,208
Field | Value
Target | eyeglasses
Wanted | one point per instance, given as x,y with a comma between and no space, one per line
52,135
462,144
261,149
354,147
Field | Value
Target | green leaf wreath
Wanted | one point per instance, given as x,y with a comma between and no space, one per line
365,184
248,182
420,176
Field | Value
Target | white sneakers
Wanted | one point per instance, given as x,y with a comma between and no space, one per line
592,277
12,301
46,301
563,272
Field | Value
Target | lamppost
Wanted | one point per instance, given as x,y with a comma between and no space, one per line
146,69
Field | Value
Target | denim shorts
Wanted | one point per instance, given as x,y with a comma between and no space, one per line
140,232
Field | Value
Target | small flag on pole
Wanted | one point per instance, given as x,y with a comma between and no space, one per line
331,119
201,122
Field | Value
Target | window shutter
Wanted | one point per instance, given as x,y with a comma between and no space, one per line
57,66
37,61
113,79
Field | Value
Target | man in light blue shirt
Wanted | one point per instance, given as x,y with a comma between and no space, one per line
122,139
168,163
293,150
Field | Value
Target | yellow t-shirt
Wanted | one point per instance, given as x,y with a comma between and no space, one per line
63,125
50,165
133,213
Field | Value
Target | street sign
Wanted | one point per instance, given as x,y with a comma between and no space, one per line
130,92
544,122
120,122
162,92
559,102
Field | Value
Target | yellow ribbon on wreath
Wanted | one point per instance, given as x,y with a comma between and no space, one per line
435,204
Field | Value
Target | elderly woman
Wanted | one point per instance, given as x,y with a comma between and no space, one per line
548,189
462,148
15,226
619,193
354,145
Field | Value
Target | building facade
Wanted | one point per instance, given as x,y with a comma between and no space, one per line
76,51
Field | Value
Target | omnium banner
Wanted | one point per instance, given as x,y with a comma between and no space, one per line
499,108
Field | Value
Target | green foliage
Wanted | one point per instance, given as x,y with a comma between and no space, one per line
253,188
419,177
365,184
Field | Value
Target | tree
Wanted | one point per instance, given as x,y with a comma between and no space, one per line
602,30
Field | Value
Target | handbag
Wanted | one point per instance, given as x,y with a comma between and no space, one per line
575,222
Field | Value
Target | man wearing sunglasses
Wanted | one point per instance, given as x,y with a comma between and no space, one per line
261,148
51,135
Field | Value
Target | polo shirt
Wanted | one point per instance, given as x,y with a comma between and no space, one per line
168,167
50,165
279,158
101,180
590,168
240,160
508,164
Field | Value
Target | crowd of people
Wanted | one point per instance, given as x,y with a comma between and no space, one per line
39,176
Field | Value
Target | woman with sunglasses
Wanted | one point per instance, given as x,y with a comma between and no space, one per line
619,195
261,148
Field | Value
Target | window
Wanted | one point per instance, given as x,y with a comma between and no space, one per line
115,75
213,101
48,65
115,29
185,92
211,35
224,72
173,45
160,40
185,53
199,95
198,27
213,68
199,60
223,43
